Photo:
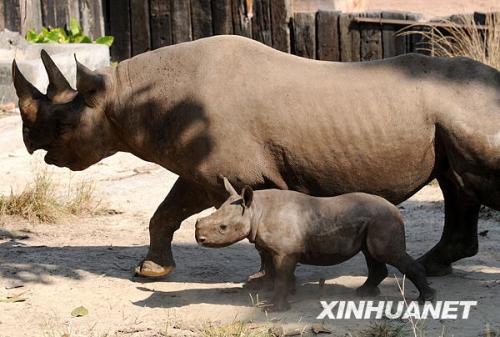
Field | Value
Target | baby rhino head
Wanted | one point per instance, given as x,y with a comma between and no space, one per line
230,223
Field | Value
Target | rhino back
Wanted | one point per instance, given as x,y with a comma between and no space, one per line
232,106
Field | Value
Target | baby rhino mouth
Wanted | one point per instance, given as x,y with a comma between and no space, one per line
204,241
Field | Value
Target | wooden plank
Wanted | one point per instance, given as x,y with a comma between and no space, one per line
261,22
181,22
48,13
480,18
304,34
393,44
350,39
62,12
281,13
222,17
139,26
119,25
414,41
242,16
371,40
201,18
12,13
31,15
92,18
161,23
74,10
2,16
327,30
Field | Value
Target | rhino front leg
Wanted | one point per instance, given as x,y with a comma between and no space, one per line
264,278
459,238
183,200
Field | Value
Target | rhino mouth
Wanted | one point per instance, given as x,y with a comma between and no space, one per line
52,160
202,241
214,245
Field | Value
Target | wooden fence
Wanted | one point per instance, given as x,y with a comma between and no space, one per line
324,35
22,15
141,25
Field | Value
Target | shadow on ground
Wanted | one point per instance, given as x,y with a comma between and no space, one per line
26,263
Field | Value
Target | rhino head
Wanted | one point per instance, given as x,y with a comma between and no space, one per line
71,125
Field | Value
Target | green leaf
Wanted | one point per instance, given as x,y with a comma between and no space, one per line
79,312
74,27
52,36
107,40
86,39
31,36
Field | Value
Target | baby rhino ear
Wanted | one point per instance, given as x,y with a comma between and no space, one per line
247,196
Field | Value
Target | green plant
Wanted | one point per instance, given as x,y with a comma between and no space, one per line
73,33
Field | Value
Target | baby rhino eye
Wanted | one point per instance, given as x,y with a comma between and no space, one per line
223,227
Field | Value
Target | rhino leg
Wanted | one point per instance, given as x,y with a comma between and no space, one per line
264,278
284,266
459,238
183,200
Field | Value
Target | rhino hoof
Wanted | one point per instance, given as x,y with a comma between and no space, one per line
151,269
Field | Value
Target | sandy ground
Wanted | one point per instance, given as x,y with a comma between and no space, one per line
88,262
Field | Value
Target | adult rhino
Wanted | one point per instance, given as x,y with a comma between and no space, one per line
229,106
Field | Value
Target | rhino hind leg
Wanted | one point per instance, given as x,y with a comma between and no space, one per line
377,272
183,200
459,238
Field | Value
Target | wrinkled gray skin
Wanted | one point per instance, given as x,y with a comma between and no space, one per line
232,106
288,227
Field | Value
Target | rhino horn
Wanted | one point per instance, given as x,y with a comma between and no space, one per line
59,90
229,188
88,83
27,93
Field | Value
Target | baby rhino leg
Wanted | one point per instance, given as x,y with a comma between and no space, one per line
388,245
416,273
377,272
284,267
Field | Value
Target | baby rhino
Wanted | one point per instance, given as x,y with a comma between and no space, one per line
289,227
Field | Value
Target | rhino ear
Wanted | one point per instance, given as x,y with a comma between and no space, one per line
88,83
29,96
229,188
59,90
247,196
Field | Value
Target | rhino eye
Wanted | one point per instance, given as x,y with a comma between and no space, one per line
223,227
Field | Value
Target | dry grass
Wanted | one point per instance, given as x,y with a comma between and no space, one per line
384,329
235,329
464,38
40,201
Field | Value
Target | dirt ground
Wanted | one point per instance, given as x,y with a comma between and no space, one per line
88,261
